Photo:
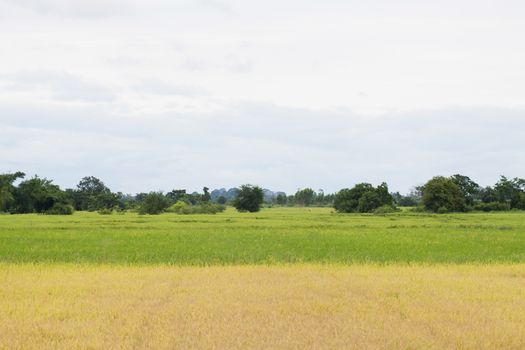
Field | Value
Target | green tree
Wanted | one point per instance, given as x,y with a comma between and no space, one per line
206,196
154,203
7,190
511,191
249,199
362,198
281,199
442,194
92,194
305,197
469,189
40,195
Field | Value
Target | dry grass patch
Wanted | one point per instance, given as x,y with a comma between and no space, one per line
392,307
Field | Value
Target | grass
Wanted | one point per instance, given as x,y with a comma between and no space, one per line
272,236
258,307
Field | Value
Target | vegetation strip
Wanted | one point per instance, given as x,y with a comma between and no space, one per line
272,236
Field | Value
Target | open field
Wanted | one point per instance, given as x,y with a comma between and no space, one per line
280,278
287,235
301,306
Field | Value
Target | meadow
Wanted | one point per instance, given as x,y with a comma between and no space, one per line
289,278
277,235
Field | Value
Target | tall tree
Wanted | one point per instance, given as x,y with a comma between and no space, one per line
305,197
7,190
442,194
249,198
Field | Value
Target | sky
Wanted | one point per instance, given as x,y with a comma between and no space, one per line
162,94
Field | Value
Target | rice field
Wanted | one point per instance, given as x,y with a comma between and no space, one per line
286,278
261,307
284,235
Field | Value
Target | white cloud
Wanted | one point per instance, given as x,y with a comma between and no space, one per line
87,9
151,95
56,85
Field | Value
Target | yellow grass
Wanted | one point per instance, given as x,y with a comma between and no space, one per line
392,307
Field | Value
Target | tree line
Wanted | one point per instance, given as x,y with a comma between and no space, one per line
457,193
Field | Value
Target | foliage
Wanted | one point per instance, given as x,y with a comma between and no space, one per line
305,197
492,206
362,198
442,195
511,191
249,199
469,189
154,203
281,199
60,209
410,200
7,189
203,208
92,194
38,195
386,209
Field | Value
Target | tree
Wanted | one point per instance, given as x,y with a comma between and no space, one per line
91,194
249,199
7,190
469,188
281,199
176,195
488,195
206,196
154,203
305,197
362,198
511,191
40,195
442,194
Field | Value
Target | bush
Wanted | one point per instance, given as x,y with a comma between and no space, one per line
493,206
249,199
154,203
177,207
385,209
418,209
204,208
105,211
60,209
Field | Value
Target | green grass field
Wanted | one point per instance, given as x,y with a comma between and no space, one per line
272,236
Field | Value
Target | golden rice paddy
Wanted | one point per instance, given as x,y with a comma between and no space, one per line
262,307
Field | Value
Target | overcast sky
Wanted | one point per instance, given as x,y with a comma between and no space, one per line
162,94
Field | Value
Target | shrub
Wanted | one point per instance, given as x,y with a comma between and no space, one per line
249,199
493,206
385,209
177,207
60,209
105,211
204,208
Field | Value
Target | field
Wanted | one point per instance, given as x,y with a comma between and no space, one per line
281,278
289,235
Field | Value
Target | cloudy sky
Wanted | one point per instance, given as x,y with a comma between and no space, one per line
162,94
